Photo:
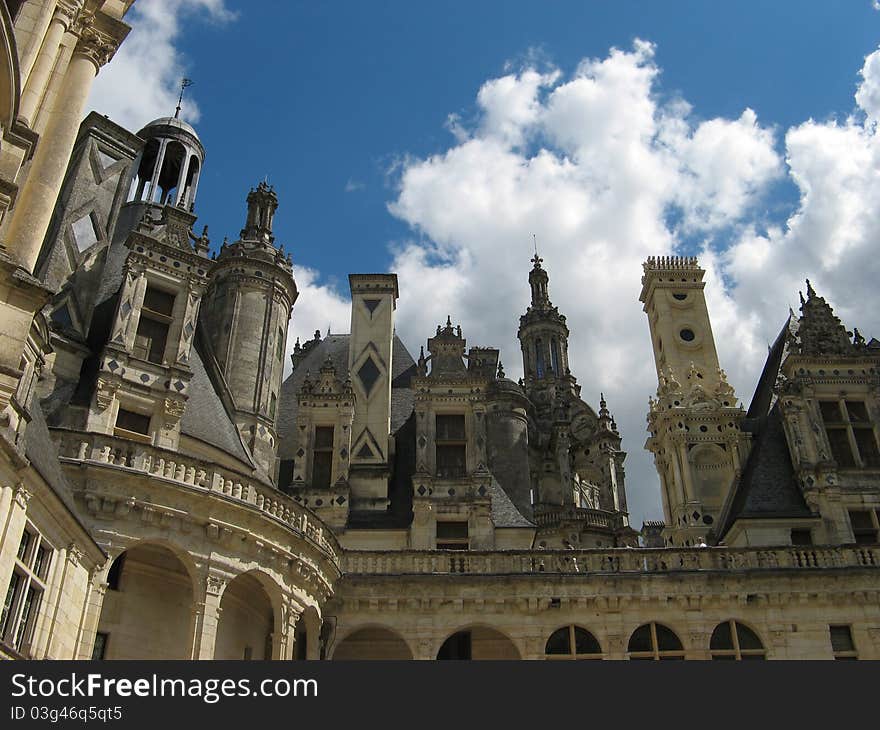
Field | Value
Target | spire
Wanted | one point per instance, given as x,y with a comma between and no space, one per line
820,332
185,83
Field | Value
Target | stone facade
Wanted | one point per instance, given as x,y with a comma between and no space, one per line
165,492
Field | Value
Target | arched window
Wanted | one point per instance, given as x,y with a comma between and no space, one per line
539,358
572,642
655,641
554,356
733,641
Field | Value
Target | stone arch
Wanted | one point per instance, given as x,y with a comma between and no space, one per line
251,615
147,610
736,640
371,641
307,638
478,641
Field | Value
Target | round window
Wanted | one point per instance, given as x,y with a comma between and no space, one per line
687,335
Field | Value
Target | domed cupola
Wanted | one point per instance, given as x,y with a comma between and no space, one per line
167,172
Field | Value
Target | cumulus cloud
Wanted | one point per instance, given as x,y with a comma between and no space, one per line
143,81
606,174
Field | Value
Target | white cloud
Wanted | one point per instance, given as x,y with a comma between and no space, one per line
352,185
143,81
592,164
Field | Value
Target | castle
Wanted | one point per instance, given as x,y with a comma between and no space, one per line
166,491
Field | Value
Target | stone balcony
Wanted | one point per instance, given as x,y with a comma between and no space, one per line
610,561
77,447
551,516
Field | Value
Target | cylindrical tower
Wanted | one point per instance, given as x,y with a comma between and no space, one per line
543,333
245,314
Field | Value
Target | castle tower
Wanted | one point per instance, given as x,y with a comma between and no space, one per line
247,309
697,444
543,334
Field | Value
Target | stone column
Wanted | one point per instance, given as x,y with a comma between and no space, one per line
36,202
206,618
45,62
91,615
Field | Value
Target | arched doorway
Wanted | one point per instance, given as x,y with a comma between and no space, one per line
147,609
247,620
478,642
372,643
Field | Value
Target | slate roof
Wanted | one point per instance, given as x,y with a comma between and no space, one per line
205,416
768,487
41,452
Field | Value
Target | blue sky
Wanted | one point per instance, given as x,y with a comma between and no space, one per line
325,97
433,139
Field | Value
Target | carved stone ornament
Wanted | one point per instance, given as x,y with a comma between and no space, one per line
173,410
105,393
95,44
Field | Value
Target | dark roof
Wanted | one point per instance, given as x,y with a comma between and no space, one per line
768,487
41,452
205,416
336,348
504,512
764,396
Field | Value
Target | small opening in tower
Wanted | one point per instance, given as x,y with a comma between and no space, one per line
687,335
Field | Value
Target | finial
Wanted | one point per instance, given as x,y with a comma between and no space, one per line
500,370
810,292
317,334
328,329
185,83
448,321
801,295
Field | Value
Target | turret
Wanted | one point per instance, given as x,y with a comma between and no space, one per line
248,304
543,333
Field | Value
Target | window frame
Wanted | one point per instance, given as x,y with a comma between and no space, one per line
736,652
121,432
843,654
850,422
860,532
573,654
450,443
452,542
323,452
157,318
28,586
656,652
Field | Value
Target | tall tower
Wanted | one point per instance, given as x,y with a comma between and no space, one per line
543,335
247,309
694,424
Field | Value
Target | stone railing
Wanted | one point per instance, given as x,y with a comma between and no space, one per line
616,560
552,516
193,473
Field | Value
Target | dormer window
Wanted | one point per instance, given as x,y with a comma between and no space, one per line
451,446
322,457
152,332
452,535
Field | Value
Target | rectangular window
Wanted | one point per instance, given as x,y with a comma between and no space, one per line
450,446
273,404
131,425
322,457
152,332
452,535
99,650
864,526
25,591
850,434
842,642
801,537
279,345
